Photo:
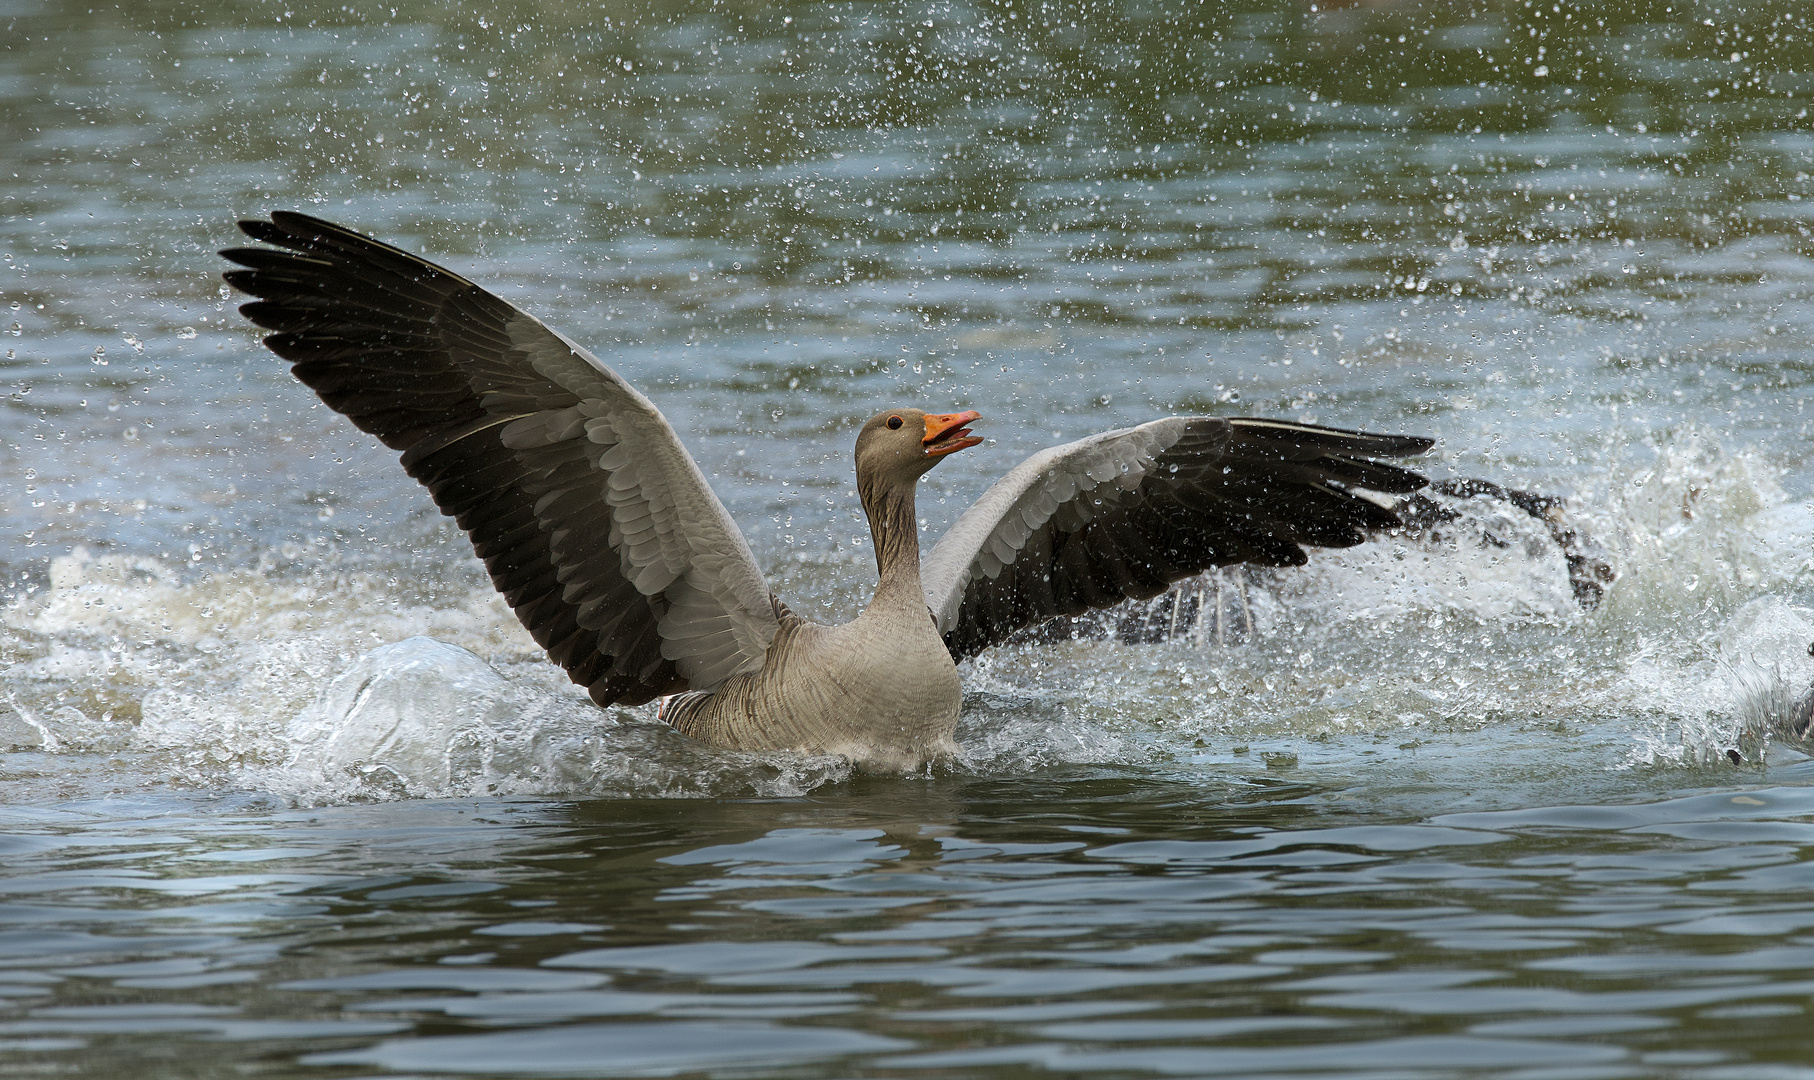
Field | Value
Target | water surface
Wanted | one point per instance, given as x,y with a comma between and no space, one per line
1411,811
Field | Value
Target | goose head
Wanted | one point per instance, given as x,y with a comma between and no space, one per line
898,446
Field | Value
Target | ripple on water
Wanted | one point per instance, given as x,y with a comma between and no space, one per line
1152,932
283,786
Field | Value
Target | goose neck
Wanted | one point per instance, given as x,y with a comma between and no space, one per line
894,529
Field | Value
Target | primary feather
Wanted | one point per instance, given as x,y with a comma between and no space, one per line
593,520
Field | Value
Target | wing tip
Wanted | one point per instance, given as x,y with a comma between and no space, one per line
1342,440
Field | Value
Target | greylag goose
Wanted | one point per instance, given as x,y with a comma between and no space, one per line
606,540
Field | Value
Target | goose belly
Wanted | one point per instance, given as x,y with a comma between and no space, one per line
828,690
896,709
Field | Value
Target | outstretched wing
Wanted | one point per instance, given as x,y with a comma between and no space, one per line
1121,515
593,520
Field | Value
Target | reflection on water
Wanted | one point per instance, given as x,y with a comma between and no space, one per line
1110,925
1567,239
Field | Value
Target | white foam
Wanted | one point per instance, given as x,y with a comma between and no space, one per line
1495,565
1766,649
422,718
250,679
1694,530
1016,734
305,678
426,713
1707,545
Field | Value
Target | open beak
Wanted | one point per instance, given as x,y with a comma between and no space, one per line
947,434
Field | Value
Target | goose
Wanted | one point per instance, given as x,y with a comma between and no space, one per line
606,540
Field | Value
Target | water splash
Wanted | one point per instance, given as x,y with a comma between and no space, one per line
422,718
265,676
1727,697
1696,529
1767,651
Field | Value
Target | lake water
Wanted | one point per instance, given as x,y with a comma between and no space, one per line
286,791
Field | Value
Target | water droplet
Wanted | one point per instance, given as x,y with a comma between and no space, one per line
187,333
1460,243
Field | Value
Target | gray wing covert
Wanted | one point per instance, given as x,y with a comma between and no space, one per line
1123,514
592,519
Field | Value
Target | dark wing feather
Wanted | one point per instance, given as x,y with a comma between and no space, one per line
1122,515
594,523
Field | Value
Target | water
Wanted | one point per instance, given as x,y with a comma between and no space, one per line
288,791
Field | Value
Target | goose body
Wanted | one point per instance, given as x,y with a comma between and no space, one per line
604,537
881,690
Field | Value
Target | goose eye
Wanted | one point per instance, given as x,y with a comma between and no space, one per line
894,423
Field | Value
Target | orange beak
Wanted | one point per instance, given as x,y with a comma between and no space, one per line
947,434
